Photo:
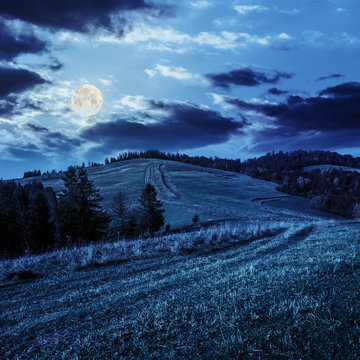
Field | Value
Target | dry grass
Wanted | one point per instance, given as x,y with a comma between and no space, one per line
276,291
99,254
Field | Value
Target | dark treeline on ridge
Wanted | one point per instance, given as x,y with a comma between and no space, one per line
32,173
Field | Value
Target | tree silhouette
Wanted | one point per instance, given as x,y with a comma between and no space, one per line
152,218
120,210
80,215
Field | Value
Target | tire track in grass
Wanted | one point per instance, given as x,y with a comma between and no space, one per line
157,176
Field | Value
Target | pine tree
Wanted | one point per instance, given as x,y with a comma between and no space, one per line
80,215
68,206
195,219
41,224
152,218
26,221
120,210
12,225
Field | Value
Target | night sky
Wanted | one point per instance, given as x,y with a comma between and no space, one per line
221,78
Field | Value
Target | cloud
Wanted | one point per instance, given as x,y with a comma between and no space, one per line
55,64
246,77
52,141
17,80
246,9
176,72
200,4
276,91
13,44
7,105
341,10
17,153
177,126
349,89
345,38
76,15
329,118
332,76
290,12
169,39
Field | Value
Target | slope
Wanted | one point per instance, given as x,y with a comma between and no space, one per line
291,294
187,189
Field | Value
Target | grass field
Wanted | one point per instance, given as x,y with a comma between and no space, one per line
272,278
186,190
237,291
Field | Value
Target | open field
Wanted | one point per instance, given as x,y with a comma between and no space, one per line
236,291
268,278
186,190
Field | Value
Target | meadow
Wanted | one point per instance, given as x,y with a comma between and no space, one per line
261,282
186,190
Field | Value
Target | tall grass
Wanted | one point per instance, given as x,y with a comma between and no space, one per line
213,238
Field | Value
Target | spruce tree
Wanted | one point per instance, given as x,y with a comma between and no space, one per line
26,219
80,215
41,224
12,226
152,218
68,209
120,210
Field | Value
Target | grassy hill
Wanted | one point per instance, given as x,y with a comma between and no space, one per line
274,279
187,189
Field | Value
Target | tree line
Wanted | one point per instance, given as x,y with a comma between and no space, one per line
330,189
35,219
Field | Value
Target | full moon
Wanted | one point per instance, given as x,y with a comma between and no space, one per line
87,100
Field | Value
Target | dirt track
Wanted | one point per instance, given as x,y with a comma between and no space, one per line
157,176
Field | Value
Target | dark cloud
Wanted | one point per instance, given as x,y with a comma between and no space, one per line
332,117
340,110
10,105
7,105
13,45
53,140
284,45
185,126
332,76
17,80
76,15
349,89
37,128
276,91
22,153
56,64
246,77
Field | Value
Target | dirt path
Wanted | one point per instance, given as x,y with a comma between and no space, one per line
157,176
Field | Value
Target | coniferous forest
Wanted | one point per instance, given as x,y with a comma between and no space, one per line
34,219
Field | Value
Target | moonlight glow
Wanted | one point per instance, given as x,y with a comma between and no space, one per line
87,100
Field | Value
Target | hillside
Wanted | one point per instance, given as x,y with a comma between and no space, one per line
187,189
272,278
237,291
